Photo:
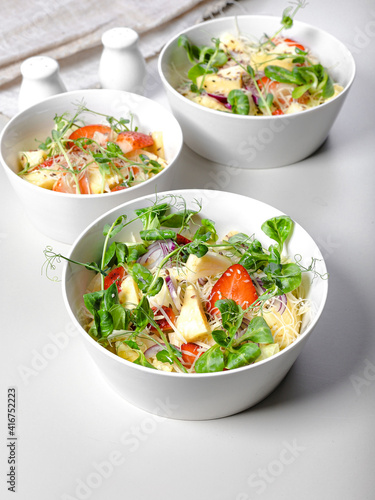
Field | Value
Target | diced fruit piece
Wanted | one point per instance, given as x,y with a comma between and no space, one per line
164,367
192,321
116,275
158,146
181,240
217,84
100,133
129,294
42,178
163,324
129,140
210,264
126,352
209,102
260,60
190,353
32,158
267,350
235,284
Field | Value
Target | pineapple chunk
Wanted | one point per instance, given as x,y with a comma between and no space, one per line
267,350
163,298
210,264
96,180
209,102
32,158
164,367
217,84
192,322
129,293
260,60
42,178
126,352
158,147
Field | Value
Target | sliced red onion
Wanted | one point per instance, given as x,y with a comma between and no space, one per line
156,253
228,106
173,292
221,98
152,351
281,298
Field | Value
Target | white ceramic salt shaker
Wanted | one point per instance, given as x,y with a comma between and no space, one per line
41,79
122,66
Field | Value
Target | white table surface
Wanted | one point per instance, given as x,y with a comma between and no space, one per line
313,438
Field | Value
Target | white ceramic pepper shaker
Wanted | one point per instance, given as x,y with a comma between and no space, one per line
41,79
122,65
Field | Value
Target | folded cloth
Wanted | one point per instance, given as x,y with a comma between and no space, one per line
71,31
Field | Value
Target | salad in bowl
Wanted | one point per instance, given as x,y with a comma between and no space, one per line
179,301
178,297
94,158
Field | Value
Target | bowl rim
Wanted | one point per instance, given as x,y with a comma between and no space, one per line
192,376
215,112
74,196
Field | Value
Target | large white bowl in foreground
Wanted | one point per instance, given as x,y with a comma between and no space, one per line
261,141
194,396
63,216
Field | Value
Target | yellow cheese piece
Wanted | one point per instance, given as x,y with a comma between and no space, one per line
192,322
209,102
158,147
95,180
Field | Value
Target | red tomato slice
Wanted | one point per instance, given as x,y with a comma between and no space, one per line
267,84
129,140
190,353
162,322
277,112
47,163
84,185
181,240
293,43
88,131
116,275
235,283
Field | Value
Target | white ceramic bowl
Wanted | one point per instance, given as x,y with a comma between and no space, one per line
63,216
194,396
262,141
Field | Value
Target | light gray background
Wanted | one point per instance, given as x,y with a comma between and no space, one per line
313,438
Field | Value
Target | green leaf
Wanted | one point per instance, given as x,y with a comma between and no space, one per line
120,317
239,102
93,301
206,232
328,89
258,331
231,315
210,361
106,322
289,278
157,234
184,42
196,71
221,337
243,356
142,314
278,229
197,248
178,219
299,91
135,251
110,297
132,344
283,75
112,230
142,276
